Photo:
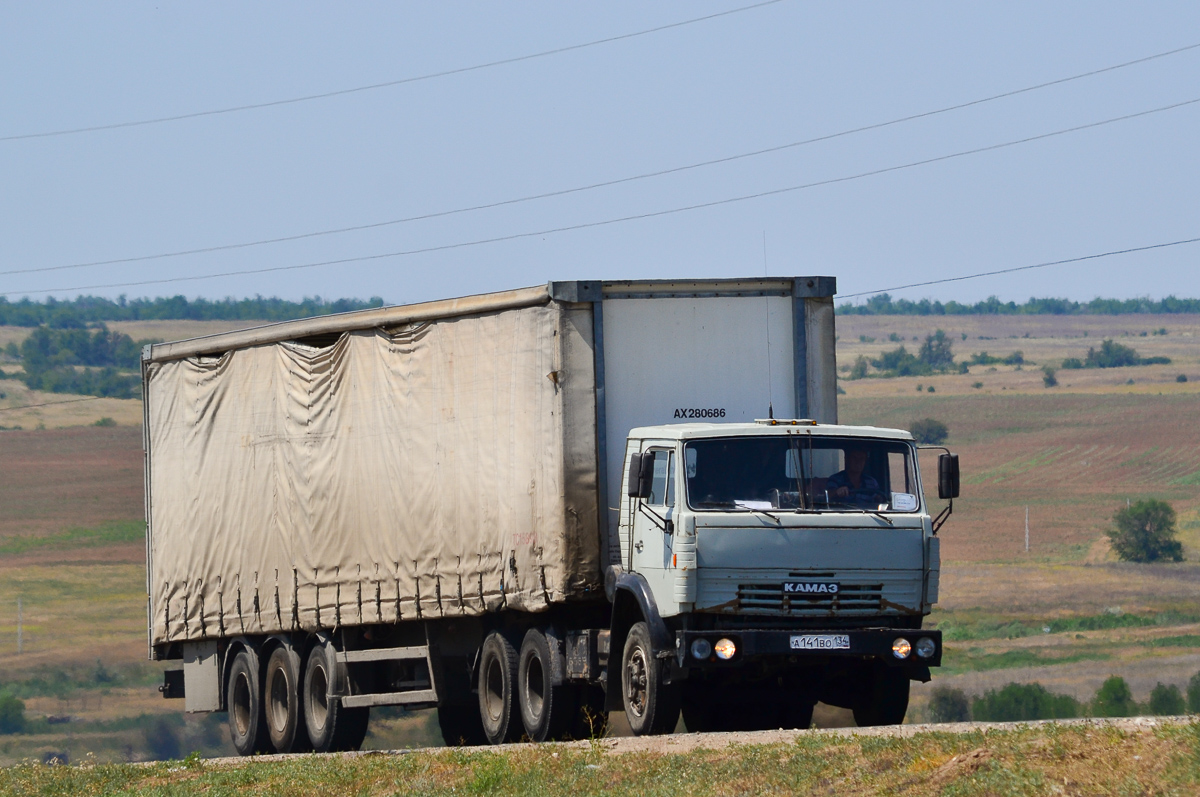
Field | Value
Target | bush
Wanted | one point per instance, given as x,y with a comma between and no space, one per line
1181,378
1114,699
1193,694
1022,702
977,385
929,431
12,714
1166,700
937,351
860,368
1145,532
105,421
1049,379
948,705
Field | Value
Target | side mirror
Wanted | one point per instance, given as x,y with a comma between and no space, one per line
948,476
641,475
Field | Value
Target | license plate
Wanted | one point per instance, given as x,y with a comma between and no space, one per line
821,642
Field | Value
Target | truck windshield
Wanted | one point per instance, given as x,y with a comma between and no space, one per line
801,472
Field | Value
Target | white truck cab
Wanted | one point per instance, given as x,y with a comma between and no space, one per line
784,549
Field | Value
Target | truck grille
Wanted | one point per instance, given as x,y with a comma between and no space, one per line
771,598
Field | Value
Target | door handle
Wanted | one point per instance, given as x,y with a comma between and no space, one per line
638,545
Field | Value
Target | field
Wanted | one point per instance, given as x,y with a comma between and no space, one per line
1108,758
1065,613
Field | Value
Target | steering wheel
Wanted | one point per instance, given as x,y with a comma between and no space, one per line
865,495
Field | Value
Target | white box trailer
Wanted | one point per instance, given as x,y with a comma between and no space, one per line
381,507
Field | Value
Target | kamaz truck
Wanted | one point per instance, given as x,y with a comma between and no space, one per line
530,509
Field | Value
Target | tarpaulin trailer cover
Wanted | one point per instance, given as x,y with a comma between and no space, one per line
448,458
432,468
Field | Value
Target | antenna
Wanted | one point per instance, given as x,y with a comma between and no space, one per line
767,318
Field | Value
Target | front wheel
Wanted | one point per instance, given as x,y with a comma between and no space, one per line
651,705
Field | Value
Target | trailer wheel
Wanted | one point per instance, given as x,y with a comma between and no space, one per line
243,697
546,709
651,706
281,698
331,727
883,700
498,689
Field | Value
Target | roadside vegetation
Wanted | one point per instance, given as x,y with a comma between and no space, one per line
1112,355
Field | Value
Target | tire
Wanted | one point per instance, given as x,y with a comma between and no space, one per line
330,726
884,699
498,709
281,702
243,699
546,709
461,726
651,706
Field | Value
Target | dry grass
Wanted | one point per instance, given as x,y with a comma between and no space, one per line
1046,759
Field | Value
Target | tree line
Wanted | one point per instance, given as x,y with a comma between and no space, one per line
96,362
81,311
884,304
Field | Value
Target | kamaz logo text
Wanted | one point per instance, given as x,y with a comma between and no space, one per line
809,588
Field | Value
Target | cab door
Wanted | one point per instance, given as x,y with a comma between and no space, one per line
654,522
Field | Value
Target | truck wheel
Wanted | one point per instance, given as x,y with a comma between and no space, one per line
281,697
461,726
651,706
546,709
498,690
884,699
247,725
330,726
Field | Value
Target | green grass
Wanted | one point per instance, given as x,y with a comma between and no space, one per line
1017,761
1183,641
122,531
956,660
959,627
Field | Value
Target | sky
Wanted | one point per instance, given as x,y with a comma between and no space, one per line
758,78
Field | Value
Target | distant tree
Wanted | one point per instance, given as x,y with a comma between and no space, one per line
1049,379
1166,700
860,368
937,351
1193,694
947,704
1021,702
162,739
929,431
1114,699
12,714
1111,355
1145,532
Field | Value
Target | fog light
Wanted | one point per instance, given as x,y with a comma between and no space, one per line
901,648
725,649
701,648
926,647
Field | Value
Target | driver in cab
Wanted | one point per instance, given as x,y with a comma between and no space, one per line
851,480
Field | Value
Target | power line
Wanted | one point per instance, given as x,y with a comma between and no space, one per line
388,84
1047,264
50,403
603,184
621,219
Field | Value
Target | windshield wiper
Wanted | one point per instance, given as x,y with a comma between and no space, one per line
768,514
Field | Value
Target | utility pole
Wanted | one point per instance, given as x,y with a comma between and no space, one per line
20,641
1027,529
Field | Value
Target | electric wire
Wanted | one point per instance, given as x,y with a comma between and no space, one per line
387,84
1047,264
593,186
620,219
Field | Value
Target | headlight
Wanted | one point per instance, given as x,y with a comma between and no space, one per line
725,649
701,648
901,648
926,647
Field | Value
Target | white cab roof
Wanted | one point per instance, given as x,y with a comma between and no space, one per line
692,431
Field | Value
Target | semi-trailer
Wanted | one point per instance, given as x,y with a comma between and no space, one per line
529,509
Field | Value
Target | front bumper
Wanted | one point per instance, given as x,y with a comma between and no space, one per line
809,645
